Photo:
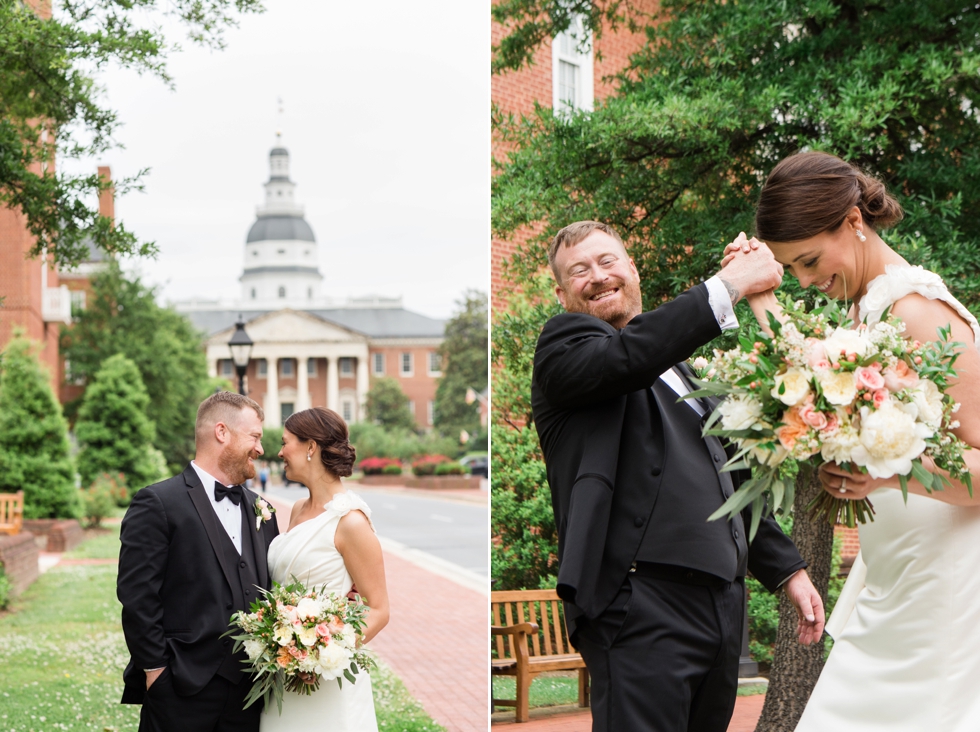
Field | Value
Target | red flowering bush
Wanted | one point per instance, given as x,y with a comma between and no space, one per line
380,466
426,464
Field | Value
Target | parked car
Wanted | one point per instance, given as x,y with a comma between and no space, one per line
477,464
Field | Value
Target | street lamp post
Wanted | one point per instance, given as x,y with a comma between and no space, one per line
241,351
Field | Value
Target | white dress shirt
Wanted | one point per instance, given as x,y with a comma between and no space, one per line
721,306
229,515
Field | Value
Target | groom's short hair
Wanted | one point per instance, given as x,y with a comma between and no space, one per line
573,234
222,406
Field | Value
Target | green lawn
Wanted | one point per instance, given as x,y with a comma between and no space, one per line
62,653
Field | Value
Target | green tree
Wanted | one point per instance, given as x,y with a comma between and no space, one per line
387,405
464,366
34,451
113,430
721,92
122,316
47,66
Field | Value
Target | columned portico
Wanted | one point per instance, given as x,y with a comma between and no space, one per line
362,387
302,382
271,400
333,387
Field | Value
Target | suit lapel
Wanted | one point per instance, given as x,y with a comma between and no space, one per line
203,505
259,548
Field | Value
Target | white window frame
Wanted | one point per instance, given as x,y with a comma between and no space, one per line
311,368
378,360
411,408
430,409
261,368
226,367
434,355
566,47
347,409
349,363
282,368
402,371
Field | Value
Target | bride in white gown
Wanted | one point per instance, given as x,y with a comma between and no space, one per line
906,656
331,542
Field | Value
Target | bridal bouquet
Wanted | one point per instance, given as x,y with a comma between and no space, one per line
820,391
295,637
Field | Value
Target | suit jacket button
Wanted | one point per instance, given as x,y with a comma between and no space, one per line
638,521
242,565
655,470
736,533
717,458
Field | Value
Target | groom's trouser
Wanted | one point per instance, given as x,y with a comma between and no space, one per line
664,656
218,707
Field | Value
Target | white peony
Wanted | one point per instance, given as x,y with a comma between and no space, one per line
284,634
929,402
890,440
839,446
796,386
771,457
307,636
740,412
332,660
844,341
309,664
254,648
307,608
839,387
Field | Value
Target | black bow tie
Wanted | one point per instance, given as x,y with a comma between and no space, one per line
232,492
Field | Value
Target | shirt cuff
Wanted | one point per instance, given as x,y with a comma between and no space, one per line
721,303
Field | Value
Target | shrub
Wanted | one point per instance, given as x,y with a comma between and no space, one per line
426,465
392,470
6,589
34,449
116,485
271,444
98,500
379,466
450,469
372,440
114,432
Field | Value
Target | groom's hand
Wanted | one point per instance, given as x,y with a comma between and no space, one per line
809,607
752,272
152,676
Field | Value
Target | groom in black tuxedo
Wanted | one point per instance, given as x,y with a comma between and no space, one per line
191,556
654,593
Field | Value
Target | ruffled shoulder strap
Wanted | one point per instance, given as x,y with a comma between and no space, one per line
343,503
899,281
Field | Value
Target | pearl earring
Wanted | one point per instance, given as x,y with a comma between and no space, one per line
860,235
309,458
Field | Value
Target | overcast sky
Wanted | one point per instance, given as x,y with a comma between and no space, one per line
386,118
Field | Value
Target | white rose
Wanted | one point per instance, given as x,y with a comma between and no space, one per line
839,446
929,401
307,636
890,440
700,363
845,340
739,412
284,634
309,664
839,387
307,608
332,660
254,648
766,456
796,383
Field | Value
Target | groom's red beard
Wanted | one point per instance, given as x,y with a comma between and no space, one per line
236,465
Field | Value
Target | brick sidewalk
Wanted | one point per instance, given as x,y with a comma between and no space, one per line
436,642
747,711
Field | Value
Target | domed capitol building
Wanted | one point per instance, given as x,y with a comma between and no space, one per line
309,350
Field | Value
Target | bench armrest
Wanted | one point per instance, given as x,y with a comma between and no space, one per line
525,628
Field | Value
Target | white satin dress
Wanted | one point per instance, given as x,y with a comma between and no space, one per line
308,553
906,656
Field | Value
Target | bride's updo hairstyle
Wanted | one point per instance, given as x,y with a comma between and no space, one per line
326,428
810,193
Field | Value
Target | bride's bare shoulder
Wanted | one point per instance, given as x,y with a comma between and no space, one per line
924,316
297,510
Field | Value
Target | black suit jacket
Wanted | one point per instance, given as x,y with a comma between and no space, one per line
175,591
591,396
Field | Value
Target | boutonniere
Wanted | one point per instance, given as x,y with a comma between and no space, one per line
263,511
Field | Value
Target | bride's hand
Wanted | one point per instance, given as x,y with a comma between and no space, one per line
856,485
740,244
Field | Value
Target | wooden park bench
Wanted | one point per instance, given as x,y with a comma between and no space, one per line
528,637
11,512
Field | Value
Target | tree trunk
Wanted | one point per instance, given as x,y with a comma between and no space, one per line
795,668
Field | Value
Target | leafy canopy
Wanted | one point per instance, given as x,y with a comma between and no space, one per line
122,316
387,405
34,451
464,367
51,106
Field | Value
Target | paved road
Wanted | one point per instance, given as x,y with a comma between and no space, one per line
452,530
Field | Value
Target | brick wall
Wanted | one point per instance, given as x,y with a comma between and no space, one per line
19,555
419,387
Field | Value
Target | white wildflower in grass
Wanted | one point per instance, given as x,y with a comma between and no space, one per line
820,390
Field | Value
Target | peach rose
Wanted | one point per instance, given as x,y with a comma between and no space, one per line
880,397
336,625
284,657
832,423
900,376
322,630
869,378
792,429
